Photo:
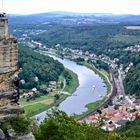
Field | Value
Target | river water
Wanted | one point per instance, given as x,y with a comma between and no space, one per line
91,88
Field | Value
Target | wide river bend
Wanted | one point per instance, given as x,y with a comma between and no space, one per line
91,88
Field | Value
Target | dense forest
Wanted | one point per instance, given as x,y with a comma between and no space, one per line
34,65
132,81
96,38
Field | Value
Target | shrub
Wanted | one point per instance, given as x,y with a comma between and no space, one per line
21,124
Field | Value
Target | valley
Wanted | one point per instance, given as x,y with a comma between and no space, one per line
108,47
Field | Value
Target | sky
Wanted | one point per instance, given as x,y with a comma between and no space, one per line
81,6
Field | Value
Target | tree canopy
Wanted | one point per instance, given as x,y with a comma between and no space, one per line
34,65
59,126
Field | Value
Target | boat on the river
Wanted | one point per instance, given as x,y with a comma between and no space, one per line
93,86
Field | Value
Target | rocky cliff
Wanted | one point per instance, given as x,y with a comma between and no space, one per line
8,65
8,55
8,61
9,92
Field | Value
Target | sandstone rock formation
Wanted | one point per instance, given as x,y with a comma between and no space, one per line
8,64
8,55
9,107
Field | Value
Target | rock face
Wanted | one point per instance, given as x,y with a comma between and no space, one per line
9,94
3,25
8,64
8,55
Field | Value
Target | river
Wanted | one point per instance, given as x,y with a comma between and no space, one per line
91,88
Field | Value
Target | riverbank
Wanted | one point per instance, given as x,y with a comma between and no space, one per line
93,105
45,102
103,74
88,79
73,84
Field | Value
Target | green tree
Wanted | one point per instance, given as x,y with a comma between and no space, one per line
56,97
59,126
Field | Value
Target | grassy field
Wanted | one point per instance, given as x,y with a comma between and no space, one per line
34,109
45,102
43,99
92,106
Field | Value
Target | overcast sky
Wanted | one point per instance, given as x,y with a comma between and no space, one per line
83,6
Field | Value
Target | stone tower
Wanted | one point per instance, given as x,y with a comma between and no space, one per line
8,68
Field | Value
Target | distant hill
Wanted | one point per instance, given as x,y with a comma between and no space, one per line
54,16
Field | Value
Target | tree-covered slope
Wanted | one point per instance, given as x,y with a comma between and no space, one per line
132,81
107,38
34,65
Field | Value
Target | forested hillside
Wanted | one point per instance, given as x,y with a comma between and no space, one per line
132,81
101,35
35,65
108,39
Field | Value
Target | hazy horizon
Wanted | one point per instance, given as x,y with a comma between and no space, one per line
71,12
77,6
